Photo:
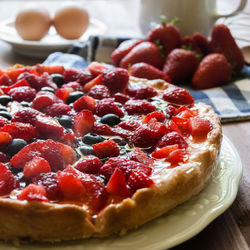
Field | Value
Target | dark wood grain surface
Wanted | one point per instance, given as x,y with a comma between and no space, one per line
231,230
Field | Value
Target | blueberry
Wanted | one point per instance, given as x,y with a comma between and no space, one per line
6,114
110,119
92,138
73,96
25,104
48,89
65,120
5,99
3,108
58,79
15,146
87,150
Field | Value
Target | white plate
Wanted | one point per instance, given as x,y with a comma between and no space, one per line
178,225
50,43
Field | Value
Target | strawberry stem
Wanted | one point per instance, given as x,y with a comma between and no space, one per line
163,19
175,21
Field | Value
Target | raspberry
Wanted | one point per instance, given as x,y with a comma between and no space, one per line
116,79
4,158
107,106
172,138
20,94
89,164
5,80
74,85
57,109
106,149
3,121
82,76
125,165
141,92
99,92
138,107
121,98
139,180
50,184
129,125
170,111
26,115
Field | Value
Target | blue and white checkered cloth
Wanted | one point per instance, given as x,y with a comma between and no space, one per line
231,102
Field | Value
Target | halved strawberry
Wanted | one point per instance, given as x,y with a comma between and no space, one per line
5,80
21,83
159,116
20,130
33,193
40,68
164,152
117,184
7,180
48,127
68,154
139,180
5,138
182,124
63,93
90,164
83,123
106,148
200,127
96,68
96,81
84,102
178,156
35,167
139,156
185,112
172,138
3,121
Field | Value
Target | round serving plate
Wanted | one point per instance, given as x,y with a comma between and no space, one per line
178,225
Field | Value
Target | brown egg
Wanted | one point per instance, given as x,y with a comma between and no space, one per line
33,23
71,22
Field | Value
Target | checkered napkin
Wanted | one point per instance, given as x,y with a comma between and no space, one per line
231,102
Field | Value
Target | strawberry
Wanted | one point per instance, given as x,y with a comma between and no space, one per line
96,81
125,165
166,35
68,139
164,152
170,111
89,164
160,117
141,91
117,184
102,129
5,80
33,193
177,95
4,158
48,127
49,182
21,83
223,42
7,180
178,156
20,94
14,73
200,127
20,130
68,154
84,102
183,125
201,42
138,107
145,70
40,68
144,52
3,121
63,93
172,138
36,166
26,115
107,106
49,150
188,43
139,180
139,156
116,79
83,123
129,125
185,112
80,75
99,92
121,98
214,70
106,148
123,49
180,65
74,85
96,68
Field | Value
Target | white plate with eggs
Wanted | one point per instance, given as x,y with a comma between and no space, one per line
48,44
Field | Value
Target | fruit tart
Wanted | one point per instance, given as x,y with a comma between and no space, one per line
93,152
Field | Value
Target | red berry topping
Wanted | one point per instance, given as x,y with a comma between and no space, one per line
26,115
84,102
33,193
82,76
83,123
117,184
178,156
102,129
106,149
3,121
4,158
116,79
96,68
57,109
41,68
178,96
164,152
7,180
200,127
107,106
141,92
121,98
141,157
20,94
5,138
138,107
89,164
159,116
172,138
99,92
35,167
129,125
139,180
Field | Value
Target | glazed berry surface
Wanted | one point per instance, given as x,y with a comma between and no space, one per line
89,136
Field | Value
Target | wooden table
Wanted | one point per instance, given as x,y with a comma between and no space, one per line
231,230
